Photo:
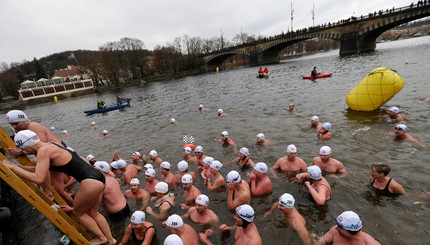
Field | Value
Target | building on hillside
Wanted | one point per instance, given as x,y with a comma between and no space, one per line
64,82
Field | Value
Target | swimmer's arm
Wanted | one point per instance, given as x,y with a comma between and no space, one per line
149,233
186,215
272,169
397,188
251,163
327,238
70,182
160,215
38,176
126,236
303,233
225,227
28,168
270,210
319,197
145,201
231,204
218,183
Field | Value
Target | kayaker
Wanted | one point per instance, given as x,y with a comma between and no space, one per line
119,100
260,71
314,72
266,70
101,104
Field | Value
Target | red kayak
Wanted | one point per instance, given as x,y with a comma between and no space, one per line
317,76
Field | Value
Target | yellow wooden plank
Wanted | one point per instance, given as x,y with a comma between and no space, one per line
43,207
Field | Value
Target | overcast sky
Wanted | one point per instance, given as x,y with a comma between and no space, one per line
31,28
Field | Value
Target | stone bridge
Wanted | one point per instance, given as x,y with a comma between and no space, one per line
356,34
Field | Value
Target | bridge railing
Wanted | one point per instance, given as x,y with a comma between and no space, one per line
329,25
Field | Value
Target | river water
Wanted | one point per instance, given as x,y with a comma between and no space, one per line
258,105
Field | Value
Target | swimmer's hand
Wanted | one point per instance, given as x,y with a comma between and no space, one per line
66,209
224,227
14,151
183,206
153,198
8,164
230,186
148,209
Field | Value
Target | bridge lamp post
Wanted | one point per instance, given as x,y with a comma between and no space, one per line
292,12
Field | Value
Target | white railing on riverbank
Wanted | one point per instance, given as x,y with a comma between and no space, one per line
55,89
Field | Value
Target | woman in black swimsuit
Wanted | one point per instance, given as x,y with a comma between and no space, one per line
57,158
381,183
243,160
165,201
139,230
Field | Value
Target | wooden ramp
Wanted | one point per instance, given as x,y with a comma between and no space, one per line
30,192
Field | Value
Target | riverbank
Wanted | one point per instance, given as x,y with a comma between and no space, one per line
20,104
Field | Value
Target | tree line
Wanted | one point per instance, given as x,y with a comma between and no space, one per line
128,59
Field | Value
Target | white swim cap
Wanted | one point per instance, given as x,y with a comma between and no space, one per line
261,167
52,128
325,150
105,132
217,165
136,153
93,123
287,200
261,136
114,164
199,148
402,127
121,163
64,131
314,172
150,172
224,133
165,165
315,118
187,150
208,160
202,200
161,187
233,176
148,166
182,166
220,111
200,106
172,120
90,157
174,221
138,217
326,125
102,165
394,109
187,178
26,138
292,149
173,239
349,220
245,212
244,151
153,153
134,181
16,116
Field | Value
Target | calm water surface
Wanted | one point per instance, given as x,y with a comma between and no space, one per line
258,105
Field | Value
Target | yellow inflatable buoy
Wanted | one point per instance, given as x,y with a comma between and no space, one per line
379,86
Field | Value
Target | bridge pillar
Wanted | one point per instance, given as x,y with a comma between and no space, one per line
351,43
253,60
